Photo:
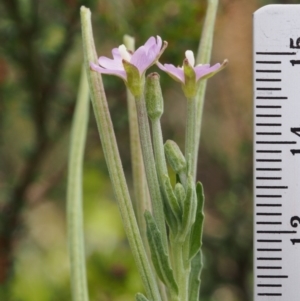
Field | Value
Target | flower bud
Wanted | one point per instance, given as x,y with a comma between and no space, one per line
174,156
153,96
180,193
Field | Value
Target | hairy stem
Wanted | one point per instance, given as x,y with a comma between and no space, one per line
150,167
113,160
74,193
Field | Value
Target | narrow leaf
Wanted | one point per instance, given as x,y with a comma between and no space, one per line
172,200
159,255
140,297
189,209
194,282
74,193
196,236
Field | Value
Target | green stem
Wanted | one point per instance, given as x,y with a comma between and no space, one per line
181,269
203,57
191,135
159,152
74,193
150,168
113,160
142,202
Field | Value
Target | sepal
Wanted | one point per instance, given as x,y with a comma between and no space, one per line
134,80
189,87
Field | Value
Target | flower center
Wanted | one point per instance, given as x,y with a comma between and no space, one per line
190,57
124,53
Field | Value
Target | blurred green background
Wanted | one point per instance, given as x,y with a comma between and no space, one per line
40,62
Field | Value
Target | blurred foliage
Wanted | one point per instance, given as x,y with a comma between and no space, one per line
40,61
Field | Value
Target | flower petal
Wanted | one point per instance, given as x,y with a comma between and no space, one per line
204,70
146,55
175,72
107,63
140,59
120,73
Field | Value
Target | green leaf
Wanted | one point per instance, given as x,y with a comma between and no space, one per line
189,209
172,200
140,297
79,286
169,216
159,255
194,282
196,236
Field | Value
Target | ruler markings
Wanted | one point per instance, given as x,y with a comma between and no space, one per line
269,133
268,62
268,115
276,142
271,187
271,97
269,268
268,169
268,80
268,71
269,151
269,258
268,205
272,276
269,107
269,240
276,232
268,160
269,196
268,178
269,285
269,294
269,250
268,89
276,204
269,214
276,53
268,124
268,223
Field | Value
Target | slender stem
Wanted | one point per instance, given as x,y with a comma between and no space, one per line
190,135
151,174
181,269
203,57
159,152
113,160
74,193
142,202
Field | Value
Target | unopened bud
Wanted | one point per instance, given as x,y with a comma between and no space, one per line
180,193
153,96
174,156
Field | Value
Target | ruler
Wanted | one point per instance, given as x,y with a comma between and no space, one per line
277,153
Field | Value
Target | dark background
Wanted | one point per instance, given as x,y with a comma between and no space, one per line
40,62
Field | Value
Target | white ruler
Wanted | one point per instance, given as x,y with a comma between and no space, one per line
277,153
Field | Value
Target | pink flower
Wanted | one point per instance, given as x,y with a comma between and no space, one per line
144,57
189,74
